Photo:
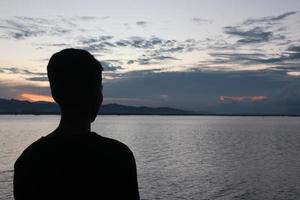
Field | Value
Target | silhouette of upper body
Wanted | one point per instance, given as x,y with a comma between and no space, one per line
73,162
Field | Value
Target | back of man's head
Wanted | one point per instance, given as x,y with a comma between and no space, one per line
75,78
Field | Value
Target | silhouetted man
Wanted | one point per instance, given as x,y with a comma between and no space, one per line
72,162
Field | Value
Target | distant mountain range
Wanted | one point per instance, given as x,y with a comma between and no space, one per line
14,106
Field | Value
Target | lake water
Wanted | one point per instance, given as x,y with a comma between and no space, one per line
185,157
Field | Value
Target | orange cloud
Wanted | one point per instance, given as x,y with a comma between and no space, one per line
35,97
258,98
232,98
242,98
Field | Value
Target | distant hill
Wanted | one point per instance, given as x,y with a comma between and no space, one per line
14,106
116,109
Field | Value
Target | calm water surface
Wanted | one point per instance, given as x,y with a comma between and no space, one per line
181,157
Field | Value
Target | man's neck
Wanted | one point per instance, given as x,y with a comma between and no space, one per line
73,124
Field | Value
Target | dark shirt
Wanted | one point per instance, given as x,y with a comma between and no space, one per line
85,166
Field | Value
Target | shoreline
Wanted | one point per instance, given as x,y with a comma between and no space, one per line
145,114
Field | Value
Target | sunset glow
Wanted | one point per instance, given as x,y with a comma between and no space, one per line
215,56
293,73
35,97
242,98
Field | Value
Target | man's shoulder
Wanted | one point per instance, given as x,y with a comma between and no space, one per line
29,152
110,141
115,144
99,142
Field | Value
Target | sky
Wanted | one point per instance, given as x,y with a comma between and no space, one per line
202,55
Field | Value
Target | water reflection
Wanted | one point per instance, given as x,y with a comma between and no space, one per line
186,157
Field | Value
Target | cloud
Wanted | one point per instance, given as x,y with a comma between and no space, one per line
258,98
151,59
293,52
240,58
286,60
24,27
201,90
55,45
294,73
161,57
91,40
264,91
158,44
199,20
14,89
21,27
142,23
126,101
38,78
129,62
25,73
19,31
89,18
109,66
105,17
153,50
257,43
164,97
253,35
48,45
270,19
96,44
35,97
260,30
139,42
242,98
15,70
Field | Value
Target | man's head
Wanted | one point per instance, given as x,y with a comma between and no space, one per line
75,78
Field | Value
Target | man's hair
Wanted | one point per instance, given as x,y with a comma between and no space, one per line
75,77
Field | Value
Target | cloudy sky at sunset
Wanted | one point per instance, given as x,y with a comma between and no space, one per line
203,55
